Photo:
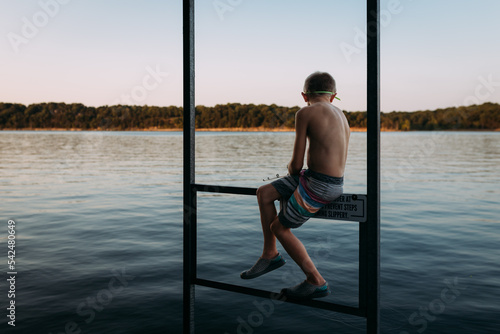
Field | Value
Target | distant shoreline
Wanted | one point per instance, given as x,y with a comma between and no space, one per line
251,129
254,129
233,117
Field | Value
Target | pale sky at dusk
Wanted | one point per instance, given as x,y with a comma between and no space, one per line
434,53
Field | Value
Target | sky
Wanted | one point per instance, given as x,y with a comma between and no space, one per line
434,53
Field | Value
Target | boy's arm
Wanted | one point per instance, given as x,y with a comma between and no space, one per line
299,148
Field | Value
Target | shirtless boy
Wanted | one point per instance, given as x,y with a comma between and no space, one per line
304,192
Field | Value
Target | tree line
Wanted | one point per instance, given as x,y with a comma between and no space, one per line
232,115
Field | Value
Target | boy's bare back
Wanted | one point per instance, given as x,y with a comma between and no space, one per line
328,133
327,130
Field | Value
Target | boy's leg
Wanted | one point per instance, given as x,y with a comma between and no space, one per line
297,252
270,259
266,195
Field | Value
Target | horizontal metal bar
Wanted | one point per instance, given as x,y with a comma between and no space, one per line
224,189
350,207
275,296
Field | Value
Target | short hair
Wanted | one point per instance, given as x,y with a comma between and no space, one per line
319,81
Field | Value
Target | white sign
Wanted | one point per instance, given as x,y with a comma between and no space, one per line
346,207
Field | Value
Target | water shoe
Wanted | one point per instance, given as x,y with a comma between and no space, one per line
263,266
306,290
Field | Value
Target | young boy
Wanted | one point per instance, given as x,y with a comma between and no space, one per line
304,192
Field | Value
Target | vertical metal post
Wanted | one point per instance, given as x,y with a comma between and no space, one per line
371,231
189,228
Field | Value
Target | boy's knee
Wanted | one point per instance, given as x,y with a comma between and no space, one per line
263,194
260,194
276,227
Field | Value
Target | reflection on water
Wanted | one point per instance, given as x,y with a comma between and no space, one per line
89,205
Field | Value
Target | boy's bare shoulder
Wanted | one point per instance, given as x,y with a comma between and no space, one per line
308,110
302,113
318,109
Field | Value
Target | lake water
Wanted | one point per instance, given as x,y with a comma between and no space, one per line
99,234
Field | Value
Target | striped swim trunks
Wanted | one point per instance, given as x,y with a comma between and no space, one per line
305,194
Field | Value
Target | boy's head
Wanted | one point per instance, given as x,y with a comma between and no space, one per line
319,83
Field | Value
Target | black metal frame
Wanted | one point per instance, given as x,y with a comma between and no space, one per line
369,231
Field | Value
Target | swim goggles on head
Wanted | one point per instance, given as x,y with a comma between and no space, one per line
323,92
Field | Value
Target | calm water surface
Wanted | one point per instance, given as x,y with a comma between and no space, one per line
99,233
